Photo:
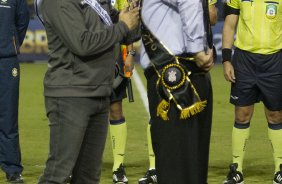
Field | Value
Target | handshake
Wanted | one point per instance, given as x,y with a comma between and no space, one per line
131,14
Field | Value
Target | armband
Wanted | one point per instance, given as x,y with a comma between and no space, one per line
226,54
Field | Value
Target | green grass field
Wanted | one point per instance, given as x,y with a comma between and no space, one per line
34,134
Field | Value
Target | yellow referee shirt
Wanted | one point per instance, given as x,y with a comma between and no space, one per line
259,28
211,2
119,4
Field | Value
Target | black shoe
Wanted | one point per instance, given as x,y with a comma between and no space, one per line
234,176
278,176
149,178
14,178
119,176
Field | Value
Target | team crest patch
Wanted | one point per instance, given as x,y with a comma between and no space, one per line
15,72
271,11
173,76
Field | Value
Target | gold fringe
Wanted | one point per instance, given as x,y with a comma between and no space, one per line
193,109
162,109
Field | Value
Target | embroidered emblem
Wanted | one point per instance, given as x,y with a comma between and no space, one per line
15,72
271,11
172,76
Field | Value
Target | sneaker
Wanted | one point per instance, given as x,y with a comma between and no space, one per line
149,178
14,178
234,176
278,176
119,176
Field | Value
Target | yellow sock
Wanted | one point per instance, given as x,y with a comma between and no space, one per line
118,138
150,148
275,137
240,135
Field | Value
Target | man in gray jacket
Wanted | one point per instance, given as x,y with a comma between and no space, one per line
84,45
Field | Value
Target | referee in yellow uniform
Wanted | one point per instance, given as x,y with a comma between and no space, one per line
118,125
255,73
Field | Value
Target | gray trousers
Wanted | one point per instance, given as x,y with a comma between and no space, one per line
78,130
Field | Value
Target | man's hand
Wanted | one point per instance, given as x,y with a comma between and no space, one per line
229,71
133,4
204,60
130,17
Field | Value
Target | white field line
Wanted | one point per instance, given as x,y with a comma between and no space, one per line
141,89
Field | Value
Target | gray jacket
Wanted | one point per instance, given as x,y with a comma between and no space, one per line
83,50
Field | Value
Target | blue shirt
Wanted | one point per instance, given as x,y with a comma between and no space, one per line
177,23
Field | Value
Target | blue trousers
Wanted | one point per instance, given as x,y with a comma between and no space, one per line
10,155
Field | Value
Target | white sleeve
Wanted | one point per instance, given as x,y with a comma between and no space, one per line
191,13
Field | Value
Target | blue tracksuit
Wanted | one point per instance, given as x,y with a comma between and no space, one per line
14,19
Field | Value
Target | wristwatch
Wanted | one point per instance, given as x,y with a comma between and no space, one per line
131,52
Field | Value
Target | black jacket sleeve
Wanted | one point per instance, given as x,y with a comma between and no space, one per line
22,19
132,36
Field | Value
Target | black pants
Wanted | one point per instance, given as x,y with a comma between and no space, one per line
182,146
